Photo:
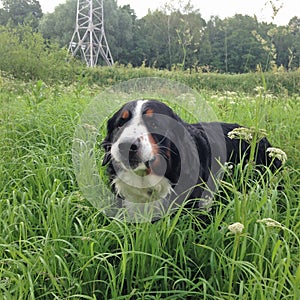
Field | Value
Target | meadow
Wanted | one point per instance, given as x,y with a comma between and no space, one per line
55,245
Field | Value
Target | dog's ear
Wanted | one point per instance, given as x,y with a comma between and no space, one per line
106,158
106,143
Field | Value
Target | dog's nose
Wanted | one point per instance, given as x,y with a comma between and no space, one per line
126,147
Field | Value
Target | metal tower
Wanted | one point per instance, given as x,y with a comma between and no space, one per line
89,36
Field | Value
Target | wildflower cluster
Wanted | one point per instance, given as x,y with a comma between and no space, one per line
236,228
228,167
277,153
269,222
259,89
247,134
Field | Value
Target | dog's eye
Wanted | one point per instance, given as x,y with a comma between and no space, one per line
121,122
125,116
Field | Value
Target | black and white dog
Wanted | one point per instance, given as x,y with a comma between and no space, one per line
152,155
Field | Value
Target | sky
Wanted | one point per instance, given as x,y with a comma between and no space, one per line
222,8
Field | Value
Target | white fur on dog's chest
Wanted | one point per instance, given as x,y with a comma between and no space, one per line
142,189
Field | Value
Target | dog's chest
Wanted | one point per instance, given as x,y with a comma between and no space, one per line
141,189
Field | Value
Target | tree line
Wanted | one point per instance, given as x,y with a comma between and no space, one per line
171,37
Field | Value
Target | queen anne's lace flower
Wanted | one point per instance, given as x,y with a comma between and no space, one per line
277,153
247,134
241,133
236,227
269,222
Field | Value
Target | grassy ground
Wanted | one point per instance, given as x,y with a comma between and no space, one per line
55,245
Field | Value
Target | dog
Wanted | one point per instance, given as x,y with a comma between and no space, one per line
153,156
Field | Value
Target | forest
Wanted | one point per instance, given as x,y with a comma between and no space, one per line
169,38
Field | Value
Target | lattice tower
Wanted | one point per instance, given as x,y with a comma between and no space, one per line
89,37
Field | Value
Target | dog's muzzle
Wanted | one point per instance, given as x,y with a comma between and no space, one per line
129,153
135,155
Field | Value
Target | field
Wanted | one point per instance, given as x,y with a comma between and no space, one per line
55,245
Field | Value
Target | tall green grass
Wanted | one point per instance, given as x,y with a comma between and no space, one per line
55,245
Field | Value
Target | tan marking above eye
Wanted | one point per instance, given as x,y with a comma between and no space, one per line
125,114
149,112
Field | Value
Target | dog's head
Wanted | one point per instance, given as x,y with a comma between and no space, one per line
140,138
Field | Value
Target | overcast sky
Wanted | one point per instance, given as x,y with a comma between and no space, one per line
222,8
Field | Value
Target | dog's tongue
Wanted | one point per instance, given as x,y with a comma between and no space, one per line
142,172
155,166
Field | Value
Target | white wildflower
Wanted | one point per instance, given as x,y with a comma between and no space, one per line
228,166
230,93
236,228
277,153
270,97
241,133
259,89
269,222
247,134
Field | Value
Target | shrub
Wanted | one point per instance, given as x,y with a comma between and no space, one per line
26,55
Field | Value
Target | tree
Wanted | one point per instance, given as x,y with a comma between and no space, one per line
294,28
287,43
282,40
169,38
120,37
189,28
20,12
238,44
244,52
59,26
215,33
